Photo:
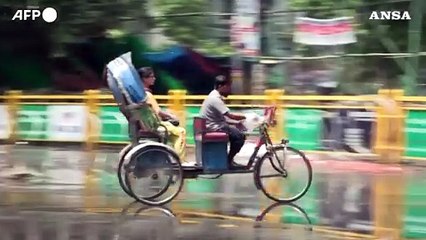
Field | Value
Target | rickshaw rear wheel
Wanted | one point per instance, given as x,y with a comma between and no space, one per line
121,171
153,163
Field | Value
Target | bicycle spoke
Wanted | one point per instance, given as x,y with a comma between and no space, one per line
157,175
273,175
284,184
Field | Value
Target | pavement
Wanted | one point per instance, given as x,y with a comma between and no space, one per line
47,195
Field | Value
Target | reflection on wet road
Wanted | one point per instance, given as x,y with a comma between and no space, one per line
142,222
348,200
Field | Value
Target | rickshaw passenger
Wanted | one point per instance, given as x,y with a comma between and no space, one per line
177,135
219,118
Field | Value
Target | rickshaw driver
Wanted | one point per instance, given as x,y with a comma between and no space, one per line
177,134
219,118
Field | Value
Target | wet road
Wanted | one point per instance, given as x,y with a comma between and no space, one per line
48,196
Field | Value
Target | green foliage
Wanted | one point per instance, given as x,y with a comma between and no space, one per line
311,4
214,48
189,30
80,19
89,17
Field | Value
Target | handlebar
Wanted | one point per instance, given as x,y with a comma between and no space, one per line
269,115
254,121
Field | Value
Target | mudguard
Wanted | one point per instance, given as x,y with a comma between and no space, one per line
144,144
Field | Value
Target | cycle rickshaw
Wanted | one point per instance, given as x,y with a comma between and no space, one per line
149,159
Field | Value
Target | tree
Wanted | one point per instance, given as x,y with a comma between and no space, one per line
31,45
190,30
81,19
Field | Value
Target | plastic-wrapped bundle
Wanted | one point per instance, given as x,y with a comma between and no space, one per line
252,121
129,93
125,79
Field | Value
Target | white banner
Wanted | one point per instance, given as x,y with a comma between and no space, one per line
245,27
336,31
4,122
67,123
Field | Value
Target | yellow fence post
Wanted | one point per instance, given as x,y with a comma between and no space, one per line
12,99
177,105
389,142
177,102
276,133
388,199
273,98
380,136
398,120
92,133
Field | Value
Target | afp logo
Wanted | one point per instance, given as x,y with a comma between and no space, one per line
390,15
49,14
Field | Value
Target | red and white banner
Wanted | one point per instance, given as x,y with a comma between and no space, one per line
336,31
245,27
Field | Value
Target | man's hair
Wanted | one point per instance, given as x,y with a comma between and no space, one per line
145,72
220,81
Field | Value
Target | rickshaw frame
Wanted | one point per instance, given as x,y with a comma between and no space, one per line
146,136
253,165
